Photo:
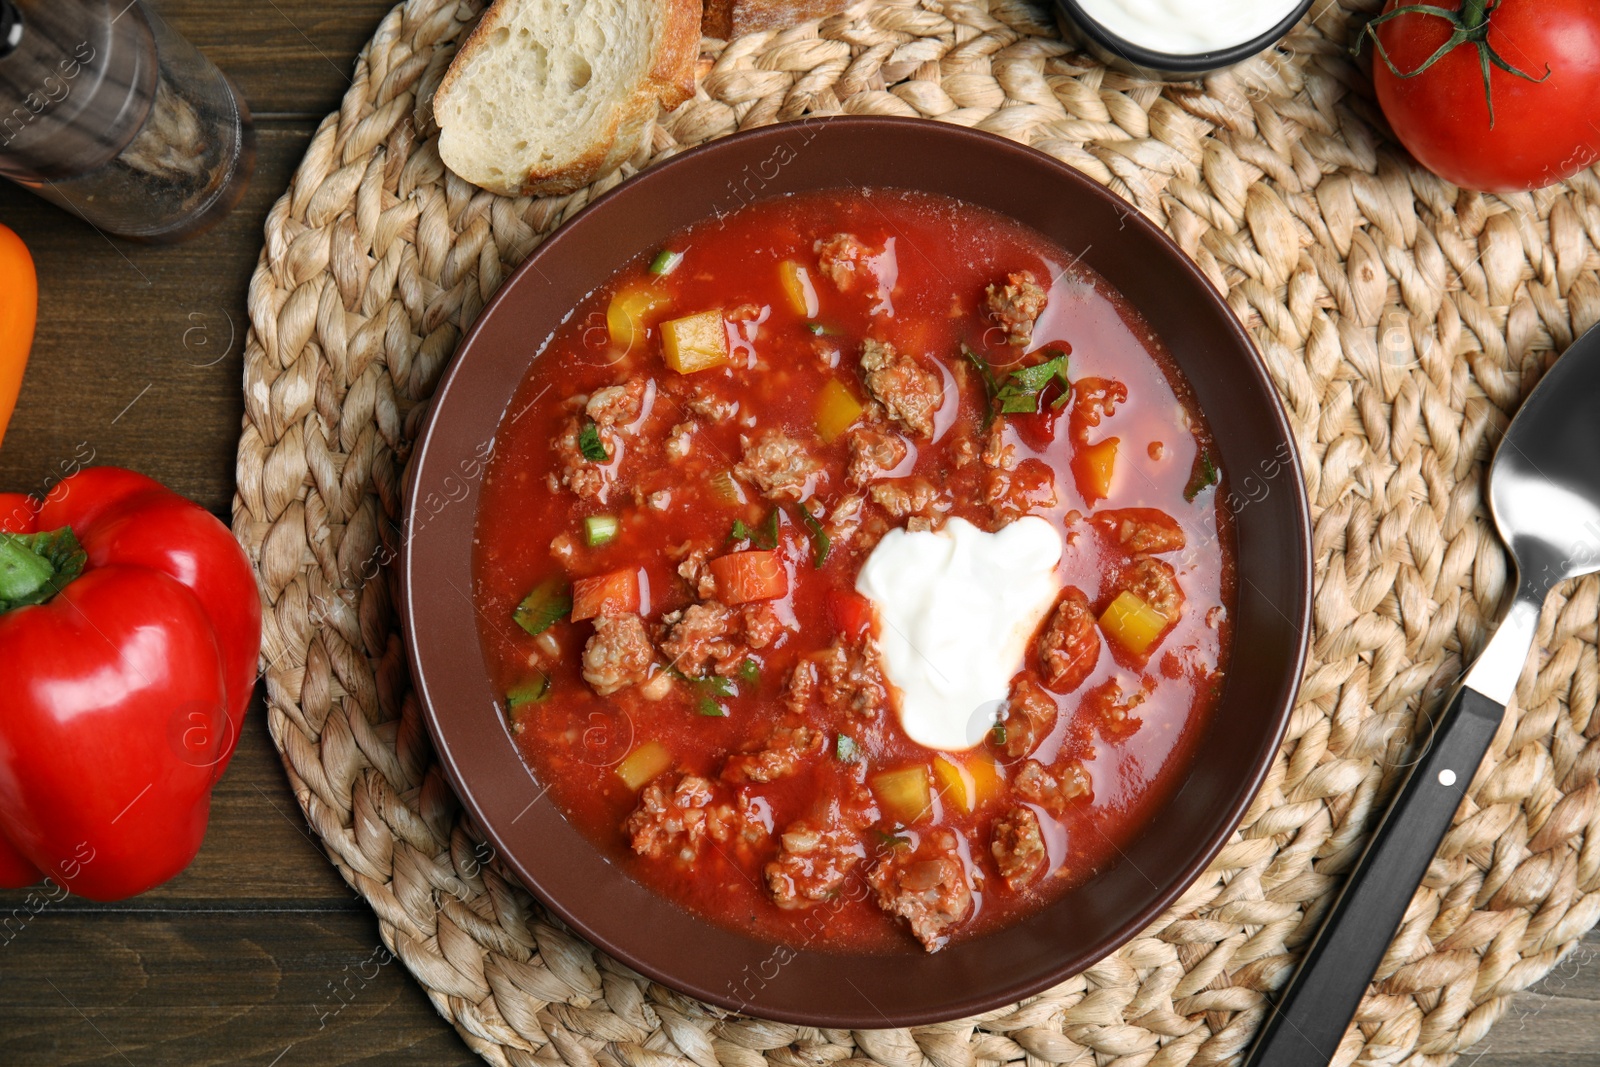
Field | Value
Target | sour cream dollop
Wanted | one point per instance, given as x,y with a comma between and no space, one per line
1187,27
955,609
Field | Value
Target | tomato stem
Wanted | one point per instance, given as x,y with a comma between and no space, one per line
1470,26
35,567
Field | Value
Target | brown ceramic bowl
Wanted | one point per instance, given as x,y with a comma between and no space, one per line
1271,618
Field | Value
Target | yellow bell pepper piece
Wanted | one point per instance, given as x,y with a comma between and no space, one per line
797,287
625,315
904,792
1132,623
643,764
837,410
695,342
1093,466
956,784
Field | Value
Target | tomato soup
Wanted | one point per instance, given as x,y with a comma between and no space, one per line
854,570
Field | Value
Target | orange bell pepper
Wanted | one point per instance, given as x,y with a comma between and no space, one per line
19,306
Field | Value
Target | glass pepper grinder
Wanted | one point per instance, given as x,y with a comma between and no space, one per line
108,113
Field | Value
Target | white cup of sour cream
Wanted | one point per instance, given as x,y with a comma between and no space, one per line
1179,38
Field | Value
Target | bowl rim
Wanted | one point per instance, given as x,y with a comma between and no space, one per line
1111,939
1184,63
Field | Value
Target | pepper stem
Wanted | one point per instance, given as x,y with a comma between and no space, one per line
35,567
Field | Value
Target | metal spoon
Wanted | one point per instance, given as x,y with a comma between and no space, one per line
1544,494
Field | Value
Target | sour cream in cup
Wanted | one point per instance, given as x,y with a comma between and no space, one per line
1180,37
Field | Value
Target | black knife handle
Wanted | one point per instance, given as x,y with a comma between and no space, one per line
1305,1025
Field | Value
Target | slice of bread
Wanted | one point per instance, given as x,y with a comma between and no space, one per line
545,96
728,19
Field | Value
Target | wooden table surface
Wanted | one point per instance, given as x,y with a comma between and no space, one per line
259,953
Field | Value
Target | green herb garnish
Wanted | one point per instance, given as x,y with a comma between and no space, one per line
764,536
990,388
893,840
820,541
710,686
1021,391
817,329
665,263
550,601
589,443
846,749
1202,477
750,670
997,735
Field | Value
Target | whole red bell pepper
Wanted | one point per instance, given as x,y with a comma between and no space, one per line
129,629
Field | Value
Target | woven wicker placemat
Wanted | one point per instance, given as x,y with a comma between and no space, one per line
1402,321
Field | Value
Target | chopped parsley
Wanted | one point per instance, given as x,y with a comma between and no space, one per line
1021,390
711,687
589,443
550,601
820,541
1202,477
764,536
846,749
997,735
750,671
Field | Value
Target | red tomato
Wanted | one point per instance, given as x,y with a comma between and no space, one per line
1544,130
745,576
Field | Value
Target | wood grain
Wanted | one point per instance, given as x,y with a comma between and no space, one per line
259,954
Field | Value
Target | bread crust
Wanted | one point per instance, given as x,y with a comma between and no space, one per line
668,82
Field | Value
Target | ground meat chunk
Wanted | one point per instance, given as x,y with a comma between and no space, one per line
617,406
1016,305
997,454
846,260
812,863
927,887
872,452
618,655
680,440
1030,715
1141,530
711,637
676,816
844,520
708,404
1070,645
1055,788
908,496
1156,583
1112,715
782,755
761,624
703,637
692,569
801,688
1013,494
907,390
1092,400
1018,846
850,680
590,480
777,465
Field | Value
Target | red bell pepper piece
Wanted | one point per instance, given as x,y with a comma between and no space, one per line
130,624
